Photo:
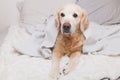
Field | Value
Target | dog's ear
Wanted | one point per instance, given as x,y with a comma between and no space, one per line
84,22
57,19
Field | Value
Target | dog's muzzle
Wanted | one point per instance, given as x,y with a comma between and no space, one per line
66,27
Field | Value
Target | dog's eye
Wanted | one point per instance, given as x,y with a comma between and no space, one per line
62,14
75,15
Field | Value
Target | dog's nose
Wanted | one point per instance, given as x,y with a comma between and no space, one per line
66,27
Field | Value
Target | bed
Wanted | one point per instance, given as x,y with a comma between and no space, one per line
25,53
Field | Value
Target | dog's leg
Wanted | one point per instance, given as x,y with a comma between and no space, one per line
74,60
55,65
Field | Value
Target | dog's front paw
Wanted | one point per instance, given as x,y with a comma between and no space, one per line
64,71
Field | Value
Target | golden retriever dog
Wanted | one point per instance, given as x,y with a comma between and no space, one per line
71,21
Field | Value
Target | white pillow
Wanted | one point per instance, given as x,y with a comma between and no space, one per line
37,11
102,11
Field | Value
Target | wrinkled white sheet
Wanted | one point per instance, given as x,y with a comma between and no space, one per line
103,39
31,40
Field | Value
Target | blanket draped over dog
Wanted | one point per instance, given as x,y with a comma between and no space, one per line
37,40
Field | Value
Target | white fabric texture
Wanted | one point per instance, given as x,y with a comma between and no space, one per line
35,44
90,67
103,39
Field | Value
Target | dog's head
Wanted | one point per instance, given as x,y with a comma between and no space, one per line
71,18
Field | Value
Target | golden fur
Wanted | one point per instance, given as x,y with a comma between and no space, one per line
69,44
